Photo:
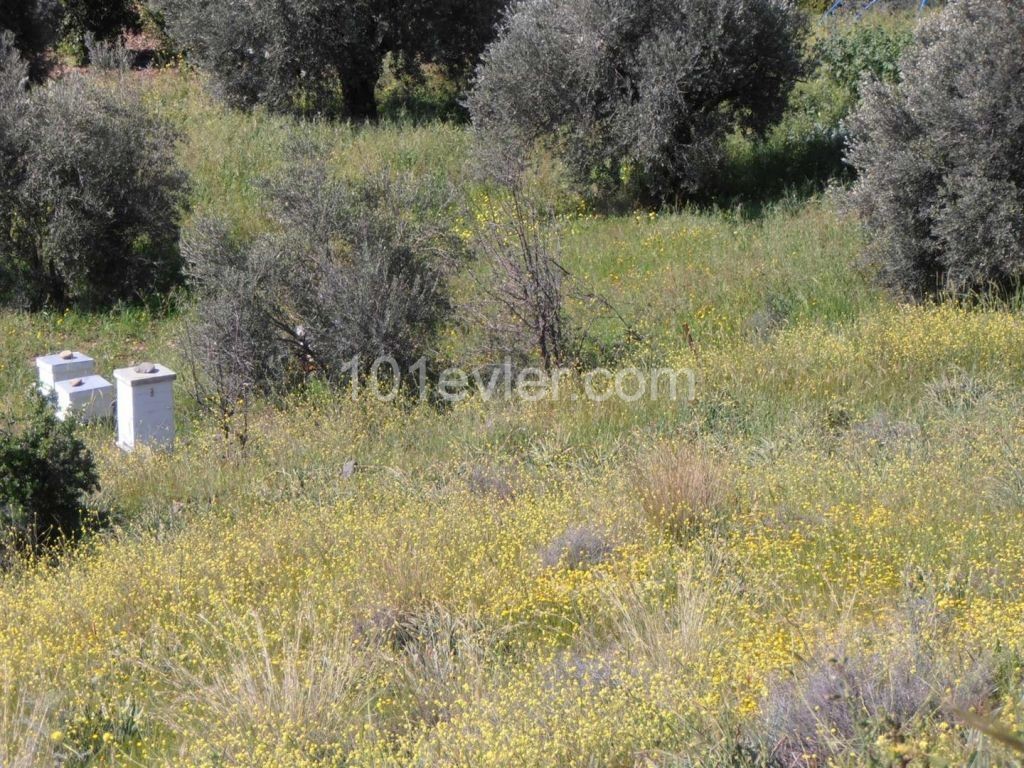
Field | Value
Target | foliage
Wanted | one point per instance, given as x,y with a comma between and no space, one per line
799,156
941,155
95,199
803,153
855,50
13,71
634,94
426,95
101,19
45,469
354,271
33,24
324,56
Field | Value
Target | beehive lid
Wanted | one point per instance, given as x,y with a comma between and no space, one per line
67,357
83,384
142,374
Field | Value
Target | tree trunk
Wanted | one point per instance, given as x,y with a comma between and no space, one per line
358,92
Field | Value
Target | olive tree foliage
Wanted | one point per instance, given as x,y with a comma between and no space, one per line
107,194
296,55
92,193
353,272
13,99
103,19
940,155
37,24
637,91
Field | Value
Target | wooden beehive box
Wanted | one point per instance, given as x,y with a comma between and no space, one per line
145,406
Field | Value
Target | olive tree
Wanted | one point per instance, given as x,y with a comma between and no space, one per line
297,55
91,193
940,155
634,90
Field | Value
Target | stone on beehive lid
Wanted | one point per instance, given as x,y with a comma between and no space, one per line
145,406
62,366
88,398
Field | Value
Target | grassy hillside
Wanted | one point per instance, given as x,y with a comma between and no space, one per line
820,555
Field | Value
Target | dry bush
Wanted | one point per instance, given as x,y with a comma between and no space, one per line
579,547
491,481
883,430
520,299
877,685
682,490
955,392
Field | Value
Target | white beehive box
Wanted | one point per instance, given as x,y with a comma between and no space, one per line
87,398
62,367
145,406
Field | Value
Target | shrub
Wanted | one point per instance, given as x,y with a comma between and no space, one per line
634,93
855,50
578,547
956,392
520,298
355,271
234,342
296,57
495,482
45,469
107,56
941,155
868,697
96,198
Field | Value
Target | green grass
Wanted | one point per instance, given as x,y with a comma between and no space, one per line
228,154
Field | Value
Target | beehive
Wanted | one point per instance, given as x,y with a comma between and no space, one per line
62,366
145,406
87,398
